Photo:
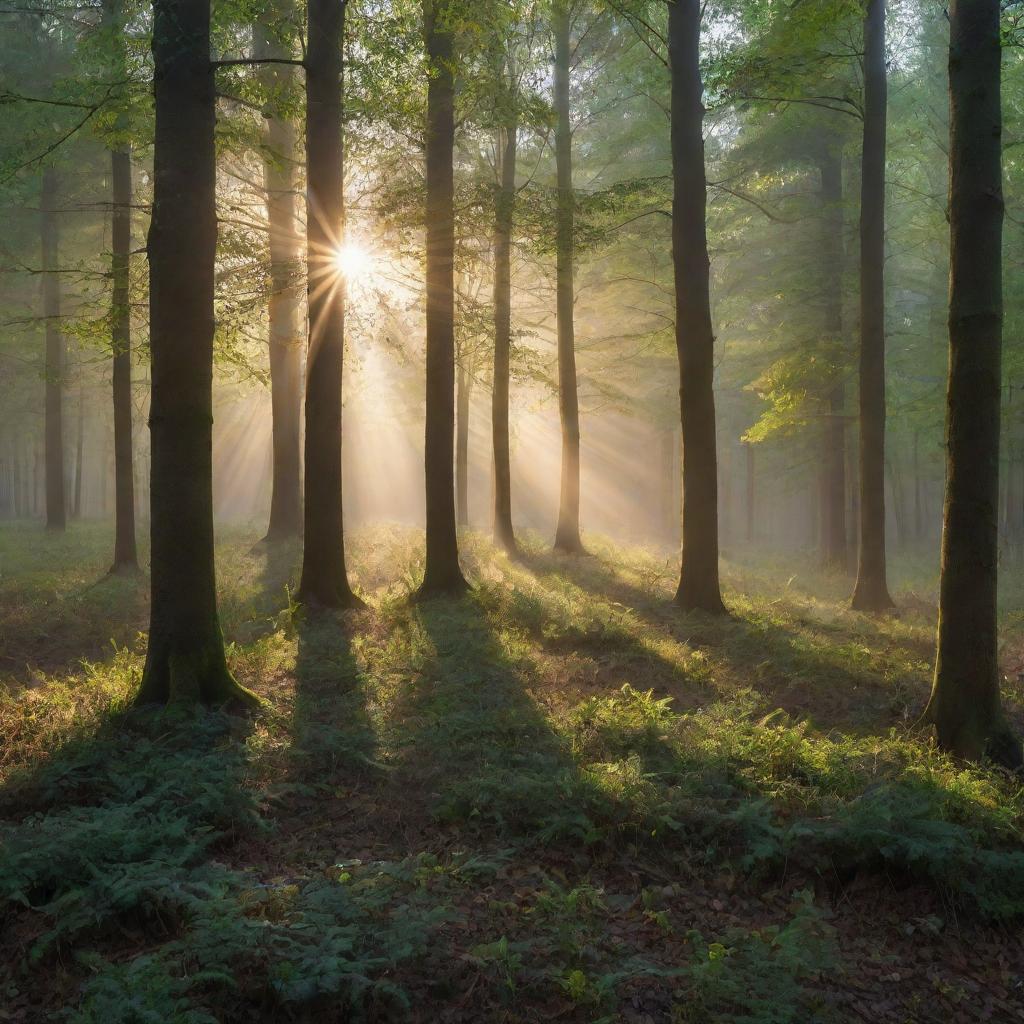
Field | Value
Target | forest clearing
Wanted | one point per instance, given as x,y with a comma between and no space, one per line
554,799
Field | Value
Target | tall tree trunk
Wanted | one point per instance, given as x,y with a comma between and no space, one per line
918,491
76,501
443,573
125,554
185,661
464,384
965,702
56,501
695,339
504,206
284,307
324,574
871,593
834,551
567,532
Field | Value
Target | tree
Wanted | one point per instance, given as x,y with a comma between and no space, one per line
56,499
833,522
695,341
324,575
280,173
125,554
871,593
442,575
567,532
504,209
185,660
965,702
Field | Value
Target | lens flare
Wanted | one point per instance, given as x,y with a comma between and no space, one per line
353,261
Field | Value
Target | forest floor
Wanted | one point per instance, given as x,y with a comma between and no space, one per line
556,799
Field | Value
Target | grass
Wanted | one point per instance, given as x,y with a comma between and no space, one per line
556,798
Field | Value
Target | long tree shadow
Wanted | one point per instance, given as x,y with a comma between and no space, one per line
326,773
475,745
847,674
113,835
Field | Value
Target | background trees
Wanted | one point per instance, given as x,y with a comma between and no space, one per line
792,160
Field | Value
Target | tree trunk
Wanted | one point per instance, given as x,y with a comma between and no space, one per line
125,554
567,533
324,574
185,661
56,501
464,383
76,502
504,206
871,593
918,491
834,551
284,311
965,702
695,340
443,573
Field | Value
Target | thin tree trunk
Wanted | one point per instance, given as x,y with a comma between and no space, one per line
284,305
918,495
185,661
695,341
871,593
125,554
965,703
56,501
834,551
443,573
76,504
324,574
464,384
567,532
504,207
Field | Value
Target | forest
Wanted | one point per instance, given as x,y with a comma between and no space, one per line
512,511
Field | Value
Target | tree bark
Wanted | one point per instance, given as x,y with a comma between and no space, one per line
918,491
443,575
871,593
834,552
965,702
464,384
324,575
284,306
504,206
185,661
56,499
76,501
567,532
695,341
125,554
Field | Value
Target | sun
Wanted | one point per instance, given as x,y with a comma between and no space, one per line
353,261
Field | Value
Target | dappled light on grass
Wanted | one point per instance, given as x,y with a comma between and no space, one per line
557,790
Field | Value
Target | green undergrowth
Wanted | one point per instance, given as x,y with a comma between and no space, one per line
559,721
